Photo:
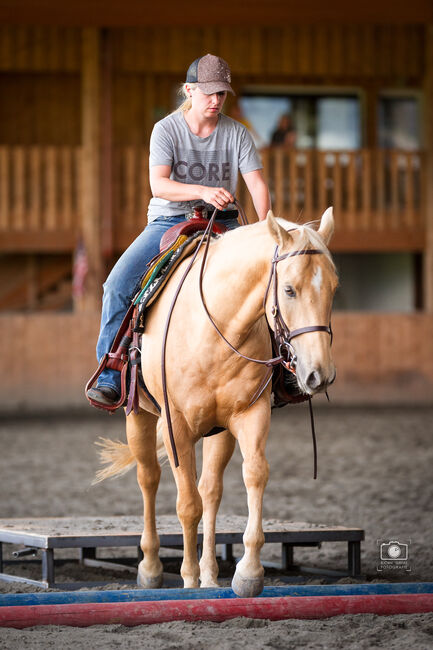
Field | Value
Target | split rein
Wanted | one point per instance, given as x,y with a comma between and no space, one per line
283,336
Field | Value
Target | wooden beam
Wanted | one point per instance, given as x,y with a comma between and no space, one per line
91,165
192,12
106,146
38,241
369,127
428,130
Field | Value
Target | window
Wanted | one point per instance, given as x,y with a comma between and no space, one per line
387,282
399,123
322,121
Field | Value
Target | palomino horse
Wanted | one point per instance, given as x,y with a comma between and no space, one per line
209,385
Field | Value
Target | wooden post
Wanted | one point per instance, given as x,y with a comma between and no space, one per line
380,189
51,220
19,188
292,208
90,168
428,208
369,127
279,182
5,217
337,199
366,189
106,147
308,178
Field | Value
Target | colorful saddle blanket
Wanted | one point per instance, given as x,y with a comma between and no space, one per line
162,267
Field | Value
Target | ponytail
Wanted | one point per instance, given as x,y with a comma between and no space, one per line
187,101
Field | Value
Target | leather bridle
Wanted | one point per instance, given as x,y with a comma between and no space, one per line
283,335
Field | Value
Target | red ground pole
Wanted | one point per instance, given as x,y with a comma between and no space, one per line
148,612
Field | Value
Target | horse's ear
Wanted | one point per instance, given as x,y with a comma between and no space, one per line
326,229
281,236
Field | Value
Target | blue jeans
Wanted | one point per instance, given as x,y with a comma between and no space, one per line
123,283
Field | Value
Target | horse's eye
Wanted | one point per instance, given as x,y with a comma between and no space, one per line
290,292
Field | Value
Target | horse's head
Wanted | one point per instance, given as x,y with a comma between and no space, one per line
306,283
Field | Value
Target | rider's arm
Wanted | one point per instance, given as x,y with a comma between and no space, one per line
164,187
259,191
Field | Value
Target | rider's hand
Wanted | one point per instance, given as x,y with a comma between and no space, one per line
217,196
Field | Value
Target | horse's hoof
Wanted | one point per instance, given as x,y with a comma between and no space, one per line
146,582
209,584
247,587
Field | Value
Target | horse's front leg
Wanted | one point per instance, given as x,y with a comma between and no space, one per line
217,451
251,429
188,505
141,434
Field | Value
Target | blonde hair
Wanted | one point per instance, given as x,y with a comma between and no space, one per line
187,101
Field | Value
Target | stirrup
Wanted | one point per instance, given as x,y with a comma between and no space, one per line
90,384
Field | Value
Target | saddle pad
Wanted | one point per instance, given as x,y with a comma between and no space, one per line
156,278
160,261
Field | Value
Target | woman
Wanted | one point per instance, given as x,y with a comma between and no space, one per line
195,156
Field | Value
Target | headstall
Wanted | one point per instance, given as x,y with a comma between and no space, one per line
284,336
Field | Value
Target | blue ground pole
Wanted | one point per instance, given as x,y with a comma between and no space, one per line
132,595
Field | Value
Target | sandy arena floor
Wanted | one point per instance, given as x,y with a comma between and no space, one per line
375,472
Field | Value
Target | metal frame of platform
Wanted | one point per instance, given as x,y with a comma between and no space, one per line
89,533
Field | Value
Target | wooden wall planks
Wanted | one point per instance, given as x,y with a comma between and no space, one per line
305,50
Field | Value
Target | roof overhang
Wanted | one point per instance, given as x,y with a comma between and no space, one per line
123,13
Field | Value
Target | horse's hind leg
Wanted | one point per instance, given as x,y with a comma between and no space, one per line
217,451
251,429
141,434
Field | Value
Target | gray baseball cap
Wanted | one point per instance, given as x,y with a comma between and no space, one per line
211,74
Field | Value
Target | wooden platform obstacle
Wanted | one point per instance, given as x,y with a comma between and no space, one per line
44,536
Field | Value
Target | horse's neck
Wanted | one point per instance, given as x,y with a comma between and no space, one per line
237,276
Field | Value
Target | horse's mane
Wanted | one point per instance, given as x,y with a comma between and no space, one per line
308,236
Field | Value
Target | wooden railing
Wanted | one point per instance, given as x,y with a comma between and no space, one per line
39,197
371,190
374,192
131,193
378,195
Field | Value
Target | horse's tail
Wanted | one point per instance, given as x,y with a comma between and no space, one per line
117,456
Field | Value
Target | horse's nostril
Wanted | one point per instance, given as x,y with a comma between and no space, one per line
314,380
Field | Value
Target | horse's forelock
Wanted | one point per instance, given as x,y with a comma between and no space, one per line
307,236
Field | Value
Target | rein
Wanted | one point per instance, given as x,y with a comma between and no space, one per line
283,335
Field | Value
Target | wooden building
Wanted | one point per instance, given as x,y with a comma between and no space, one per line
81,86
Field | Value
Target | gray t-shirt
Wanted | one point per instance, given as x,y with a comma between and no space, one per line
214,161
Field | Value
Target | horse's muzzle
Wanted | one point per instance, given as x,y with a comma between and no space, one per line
316,381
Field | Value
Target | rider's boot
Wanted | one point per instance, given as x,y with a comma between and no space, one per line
104,395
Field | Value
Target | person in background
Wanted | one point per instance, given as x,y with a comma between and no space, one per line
196,154
285,134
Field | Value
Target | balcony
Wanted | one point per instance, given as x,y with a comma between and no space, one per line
39,198
378,196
